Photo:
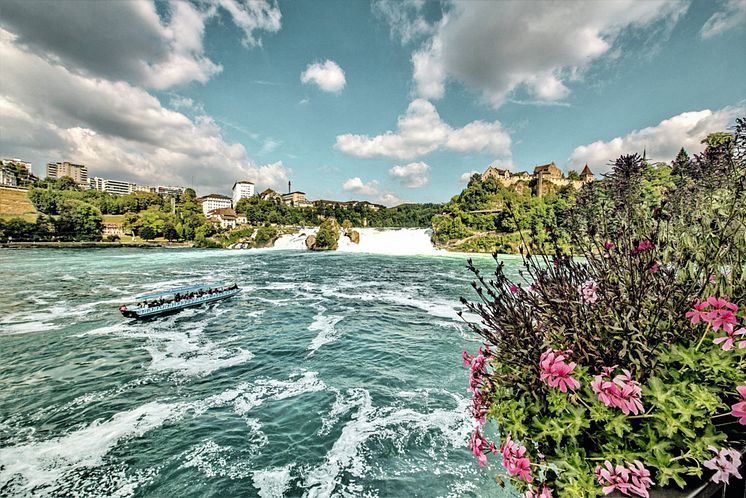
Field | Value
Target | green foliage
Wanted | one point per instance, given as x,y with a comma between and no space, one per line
499,218
259,211
327,236
265,236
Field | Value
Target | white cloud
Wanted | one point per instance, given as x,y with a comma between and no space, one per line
732,15
327,75
405,18
371,191
412,175
357,186
118,130
128,40
500,47
421,131
254,15
464,179
661,142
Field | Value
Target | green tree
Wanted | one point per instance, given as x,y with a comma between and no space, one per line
573,175
147,232
170,232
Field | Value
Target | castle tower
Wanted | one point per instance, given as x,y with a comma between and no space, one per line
586,175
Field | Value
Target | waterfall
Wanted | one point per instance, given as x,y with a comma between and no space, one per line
394,241
295,241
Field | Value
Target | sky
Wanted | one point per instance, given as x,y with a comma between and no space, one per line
390,101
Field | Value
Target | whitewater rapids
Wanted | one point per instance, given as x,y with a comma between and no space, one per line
392,241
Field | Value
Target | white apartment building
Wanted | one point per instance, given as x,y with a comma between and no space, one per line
214,201
78,172
242,190
116,187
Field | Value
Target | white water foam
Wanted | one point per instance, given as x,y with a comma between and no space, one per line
326,328
45,466
393,241
397,425
296,241
213,460
41,464
274,482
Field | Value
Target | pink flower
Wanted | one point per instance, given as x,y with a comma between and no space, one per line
479,381
478,445
543,492
514,461
634,479
514,288
698,313
622,392
555,372
644,245
654,267
739,409
608,245
640,477
730,337
588,291
725,463
721,303
723,318
467,359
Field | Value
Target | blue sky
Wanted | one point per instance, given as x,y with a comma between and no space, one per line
389,101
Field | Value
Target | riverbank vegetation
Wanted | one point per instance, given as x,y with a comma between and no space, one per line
260,211
68,213
623,370
488,216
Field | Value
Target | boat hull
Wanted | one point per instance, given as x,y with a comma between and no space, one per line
140,313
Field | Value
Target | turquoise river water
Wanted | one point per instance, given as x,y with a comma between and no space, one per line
329,375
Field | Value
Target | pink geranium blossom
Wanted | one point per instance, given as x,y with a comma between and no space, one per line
608,245
698,313
588,291
555,372
478,445
514,461
739,409
725,463
730,337
634,479
621,392
654,267
479,381
542,491
514,288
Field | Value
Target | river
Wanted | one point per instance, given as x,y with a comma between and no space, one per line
331,374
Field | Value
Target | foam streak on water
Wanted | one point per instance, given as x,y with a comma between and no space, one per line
333,374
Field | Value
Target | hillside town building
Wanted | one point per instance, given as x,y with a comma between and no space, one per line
214,201
78,172
226,218
242,190
7,177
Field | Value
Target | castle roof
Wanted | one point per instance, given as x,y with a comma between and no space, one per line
586,171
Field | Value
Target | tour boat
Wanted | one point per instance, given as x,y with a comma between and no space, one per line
172,300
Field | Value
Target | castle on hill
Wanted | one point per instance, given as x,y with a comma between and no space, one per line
545,176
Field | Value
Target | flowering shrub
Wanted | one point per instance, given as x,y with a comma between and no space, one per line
622,366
